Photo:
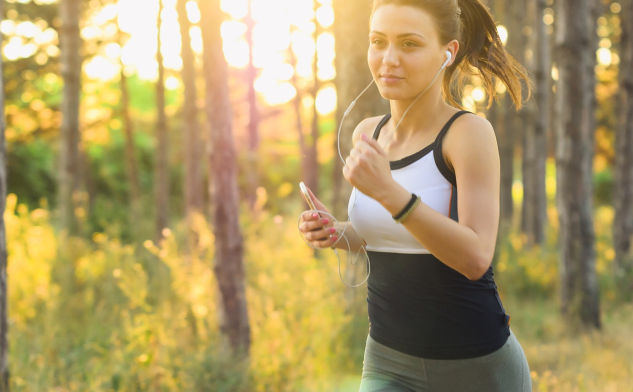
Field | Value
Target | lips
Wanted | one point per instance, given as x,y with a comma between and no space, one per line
390,79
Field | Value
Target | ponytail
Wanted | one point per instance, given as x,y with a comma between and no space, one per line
481,52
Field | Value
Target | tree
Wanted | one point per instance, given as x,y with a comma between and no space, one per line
4,325
130,156
510,131
497,117
535,151
623,192
191,128
575,96
253,113
70,42
311,162
161,173
229,251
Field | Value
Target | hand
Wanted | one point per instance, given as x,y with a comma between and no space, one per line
367,168
319,232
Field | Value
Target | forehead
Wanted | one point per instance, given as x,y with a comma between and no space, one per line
400,19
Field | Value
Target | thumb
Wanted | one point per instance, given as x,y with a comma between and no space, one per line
316,201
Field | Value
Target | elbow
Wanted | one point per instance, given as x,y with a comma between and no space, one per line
479,269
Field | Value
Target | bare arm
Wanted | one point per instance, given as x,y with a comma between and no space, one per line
355,240
466,246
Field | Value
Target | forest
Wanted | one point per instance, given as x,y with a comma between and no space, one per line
150,159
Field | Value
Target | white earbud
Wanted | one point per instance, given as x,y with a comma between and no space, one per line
449,55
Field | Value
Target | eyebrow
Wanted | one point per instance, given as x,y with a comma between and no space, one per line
399,35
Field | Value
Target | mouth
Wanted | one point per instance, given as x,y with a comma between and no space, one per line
386,78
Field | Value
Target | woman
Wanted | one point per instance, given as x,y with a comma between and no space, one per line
436,320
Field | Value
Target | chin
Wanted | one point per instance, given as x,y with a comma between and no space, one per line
390,93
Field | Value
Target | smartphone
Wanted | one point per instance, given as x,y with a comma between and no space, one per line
308,199
306,196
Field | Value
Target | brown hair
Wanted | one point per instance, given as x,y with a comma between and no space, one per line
481,51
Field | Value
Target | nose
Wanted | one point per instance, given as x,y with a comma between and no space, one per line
390,57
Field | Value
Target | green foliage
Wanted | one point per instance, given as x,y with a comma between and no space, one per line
31,171
97,314
603,184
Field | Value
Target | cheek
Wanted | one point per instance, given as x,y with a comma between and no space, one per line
373,60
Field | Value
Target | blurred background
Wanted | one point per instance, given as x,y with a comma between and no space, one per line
152,151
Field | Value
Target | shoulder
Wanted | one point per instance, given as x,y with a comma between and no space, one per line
367,127
469,133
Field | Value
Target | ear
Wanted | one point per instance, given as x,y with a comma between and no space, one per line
452,47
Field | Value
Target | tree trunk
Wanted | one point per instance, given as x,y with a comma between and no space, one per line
161,170
351,29
191,129
4,343
535,140
623,192
312,164
508,126
303,148
526,116
229,265
497,117
130,156
574,159
253,114
70,42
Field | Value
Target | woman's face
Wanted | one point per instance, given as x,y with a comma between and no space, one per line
404,51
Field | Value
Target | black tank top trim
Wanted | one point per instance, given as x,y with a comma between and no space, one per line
406,161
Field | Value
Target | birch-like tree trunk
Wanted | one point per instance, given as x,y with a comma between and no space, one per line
229,252
161,170
575,130
70,43
623,191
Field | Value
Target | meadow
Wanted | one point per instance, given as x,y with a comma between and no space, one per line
97,314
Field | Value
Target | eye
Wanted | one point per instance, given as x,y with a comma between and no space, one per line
410,42
376,42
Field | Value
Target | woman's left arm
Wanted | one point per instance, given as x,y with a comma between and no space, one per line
466,246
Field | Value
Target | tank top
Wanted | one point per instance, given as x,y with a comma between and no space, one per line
415,303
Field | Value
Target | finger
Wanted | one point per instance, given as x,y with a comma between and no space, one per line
309,215
320,223
325,243
320,235
314,198
356,152
306,216
373,145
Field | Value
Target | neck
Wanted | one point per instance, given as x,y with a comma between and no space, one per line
420,117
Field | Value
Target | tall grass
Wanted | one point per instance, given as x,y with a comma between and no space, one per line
96,314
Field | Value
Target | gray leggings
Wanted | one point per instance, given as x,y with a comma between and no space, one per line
504,370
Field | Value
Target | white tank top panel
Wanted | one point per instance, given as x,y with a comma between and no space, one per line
424,173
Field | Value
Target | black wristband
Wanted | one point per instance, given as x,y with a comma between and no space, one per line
409,204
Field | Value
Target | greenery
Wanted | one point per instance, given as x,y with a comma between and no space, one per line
98,314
